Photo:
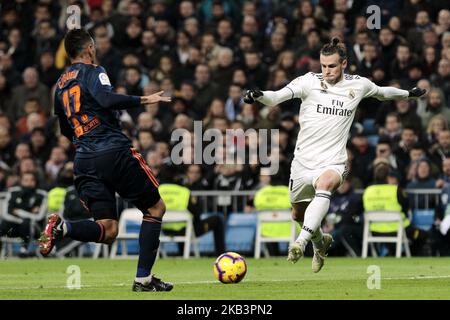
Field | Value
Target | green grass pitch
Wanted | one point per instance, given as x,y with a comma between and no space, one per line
267,279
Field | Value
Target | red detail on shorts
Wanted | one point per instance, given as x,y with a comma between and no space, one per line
144,167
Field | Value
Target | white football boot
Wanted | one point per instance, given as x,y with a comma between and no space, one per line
295,252
319,255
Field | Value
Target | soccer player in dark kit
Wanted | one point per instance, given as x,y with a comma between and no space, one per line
105,162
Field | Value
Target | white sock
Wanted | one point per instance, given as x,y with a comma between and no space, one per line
317,239
314,215
144,280
64,228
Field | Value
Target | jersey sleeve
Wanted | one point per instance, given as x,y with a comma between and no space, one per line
297,88
100,88
382,93
301,85
370,88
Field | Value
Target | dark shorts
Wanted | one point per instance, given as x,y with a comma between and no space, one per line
97,179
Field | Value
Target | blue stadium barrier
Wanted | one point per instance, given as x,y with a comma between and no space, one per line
373,139
206,241
423,219
240,232
369,126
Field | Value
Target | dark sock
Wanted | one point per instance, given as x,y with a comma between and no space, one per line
86,231
148,245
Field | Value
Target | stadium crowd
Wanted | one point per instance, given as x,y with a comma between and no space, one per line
205,54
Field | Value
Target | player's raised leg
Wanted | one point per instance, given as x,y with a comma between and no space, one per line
148,249
100,231
314,214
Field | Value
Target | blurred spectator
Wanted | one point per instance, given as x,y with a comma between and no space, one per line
401,150
443,22
422,180
5,96
441,79
18,49
435,105
24,197
6,147
444,178
146,141
234,102
109,58
209,50
363,153
408,116
392,128
255,70
436,124
12,75
381,196
441,150
225,34
31,88
48,73
193,180
55,163
22,151
205,90
224,72
32,109
45,36
344,221
40,148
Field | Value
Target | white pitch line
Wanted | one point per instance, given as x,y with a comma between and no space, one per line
209,282
418,277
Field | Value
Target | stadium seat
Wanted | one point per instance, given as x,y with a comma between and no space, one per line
188,238
240,232
282,217
206,241
423,218
274,222
128,218
399,239
177,218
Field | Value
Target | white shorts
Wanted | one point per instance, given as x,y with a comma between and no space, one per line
302,180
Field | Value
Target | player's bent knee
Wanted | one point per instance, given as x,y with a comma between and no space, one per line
111,230
158,209
297,216
298,211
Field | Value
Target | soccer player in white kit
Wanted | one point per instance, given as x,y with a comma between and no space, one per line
329,102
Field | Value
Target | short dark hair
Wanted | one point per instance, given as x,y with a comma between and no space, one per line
381,172
75,41
334,46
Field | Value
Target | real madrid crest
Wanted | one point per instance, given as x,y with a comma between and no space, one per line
351,94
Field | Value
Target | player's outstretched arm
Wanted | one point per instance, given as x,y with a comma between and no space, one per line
102,91
154,98
390,93
268,98
112,100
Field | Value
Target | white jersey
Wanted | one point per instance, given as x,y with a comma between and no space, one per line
326,114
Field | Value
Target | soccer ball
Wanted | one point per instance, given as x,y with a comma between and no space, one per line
230,267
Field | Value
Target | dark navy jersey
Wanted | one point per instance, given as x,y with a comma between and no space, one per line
88,109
